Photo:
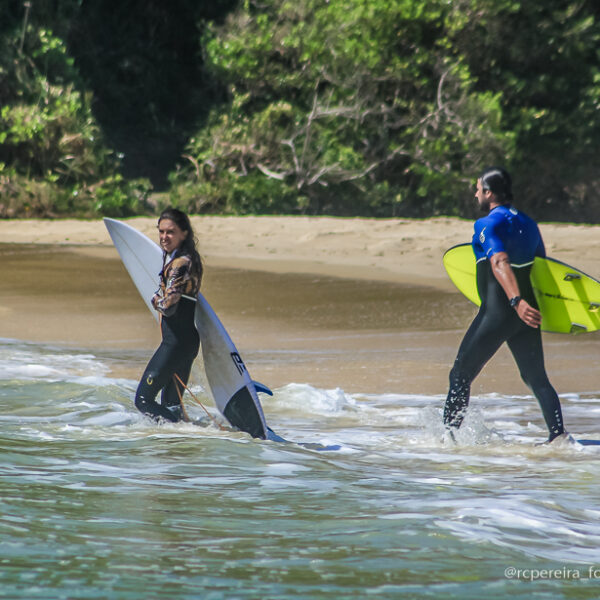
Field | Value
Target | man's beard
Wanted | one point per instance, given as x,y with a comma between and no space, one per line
484,206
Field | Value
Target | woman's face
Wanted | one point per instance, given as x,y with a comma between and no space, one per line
170,235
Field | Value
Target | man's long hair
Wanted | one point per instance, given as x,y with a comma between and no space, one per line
499,182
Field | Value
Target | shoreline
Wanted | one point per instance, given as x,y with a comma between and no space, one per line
355,303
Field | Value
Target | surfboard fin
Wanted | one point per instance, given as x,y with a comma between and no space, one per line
241,413
261,387
576,328
274,437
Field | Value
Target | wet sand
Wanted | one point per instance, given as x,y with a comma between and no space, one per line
361,335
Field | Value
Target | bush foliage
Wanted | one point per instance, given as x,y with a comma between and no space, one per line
347,107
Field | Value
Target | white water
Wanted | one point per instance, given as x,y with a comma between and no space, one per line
98,499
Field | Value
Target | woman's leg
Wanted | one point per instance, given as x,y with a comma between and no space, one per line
173,391
157,375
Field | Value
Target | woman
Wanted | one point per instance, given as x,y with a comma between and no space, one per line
169,368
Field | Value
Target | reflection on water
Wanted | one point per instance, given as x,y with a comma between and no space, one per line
335,303
372,336
51,274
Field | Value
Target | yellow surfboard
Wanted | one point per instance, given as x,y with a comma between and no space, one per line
569,300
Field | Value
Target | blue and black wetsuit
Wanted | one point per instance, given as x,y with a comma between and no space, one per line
504,230
180,341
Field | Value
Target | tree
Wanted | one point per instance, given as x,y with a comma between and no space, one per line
543,58
347,107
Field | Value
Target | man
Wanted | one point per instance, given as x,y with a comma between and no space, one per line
505,244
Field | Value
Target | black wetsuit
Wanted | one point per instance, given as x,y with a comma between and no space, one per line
497,322
178,349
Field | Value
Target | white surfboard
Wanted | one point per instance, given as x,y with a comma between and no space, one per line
234,392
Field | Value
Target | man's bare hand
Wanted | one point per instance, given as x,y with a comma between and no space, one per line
529,315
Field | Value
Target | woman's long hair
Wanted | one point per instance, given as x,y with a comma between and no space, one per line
188,245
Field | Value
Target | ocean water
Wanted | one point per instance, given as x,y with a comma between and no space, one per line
98,502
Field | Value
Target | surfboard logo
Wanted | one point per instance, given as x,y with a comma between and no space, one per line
238,362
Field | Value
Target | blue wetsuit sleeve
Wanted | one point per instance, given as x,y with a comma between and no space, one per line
487,238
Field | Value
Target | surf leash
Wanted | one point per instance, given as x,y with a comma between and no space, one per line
177,378
179,393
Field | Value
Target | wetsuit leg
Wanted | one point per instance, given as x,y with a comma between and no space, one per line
157,376
482,340
174,390
526,347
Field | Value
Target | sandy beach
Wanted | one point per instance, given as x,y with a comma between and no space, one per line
362,304
396,250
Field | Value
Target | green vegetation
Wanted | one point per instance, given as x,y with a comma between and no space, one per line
346,107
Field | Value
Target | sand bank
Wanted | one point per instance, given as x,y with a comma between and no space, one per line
395,250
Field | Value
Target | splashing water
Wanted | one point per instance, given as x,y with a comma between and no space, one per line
97,501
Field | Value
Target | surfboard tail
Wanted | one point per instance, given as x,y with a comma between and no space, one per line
232,387
241,413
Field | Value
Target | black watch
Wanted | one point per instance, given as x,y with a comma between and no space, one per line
514,302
